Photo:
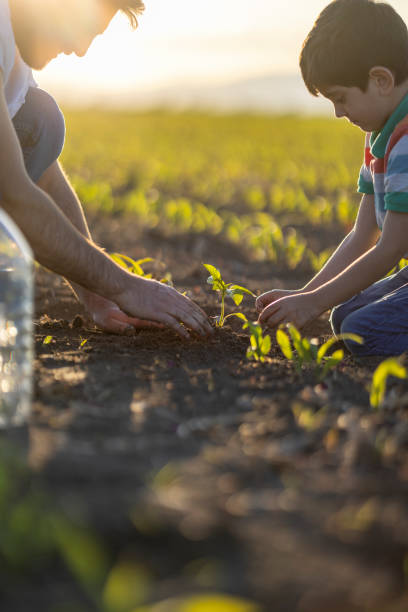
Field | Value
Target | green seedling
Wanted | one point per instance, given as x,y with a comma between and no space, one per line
47,340
235,292
260,345
136,267
303,351
389,367
83,342
131,265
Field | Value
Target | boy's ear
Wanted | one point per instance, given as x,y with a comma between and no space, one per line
383,79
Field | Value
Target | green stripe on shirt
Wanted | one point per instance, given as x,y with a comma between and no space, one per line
398,202
365,186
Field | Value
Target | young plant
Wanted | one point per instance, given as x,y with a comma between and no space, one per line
307,351
260,345
136,267
235,292
131,265
389,367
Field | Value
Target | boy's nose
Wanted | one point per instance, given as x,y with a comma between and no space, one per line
339,111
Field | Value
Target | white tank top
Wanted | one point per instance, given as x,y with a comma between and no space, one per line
17,76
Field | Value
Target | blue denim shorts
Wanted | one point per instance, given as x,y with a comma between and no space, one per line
40,128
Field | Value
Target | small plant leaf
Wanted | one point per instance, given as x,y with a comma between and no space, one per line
266,345
237,297
217,284
132,265
253,342
47,339
236,292
215,273
306,350
139,262
331,362
239,289
283,340
239,315
325,347
389,367
296,338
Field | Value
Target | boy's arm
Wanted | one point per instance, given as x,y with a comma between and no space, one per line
58,245
361,238
367,269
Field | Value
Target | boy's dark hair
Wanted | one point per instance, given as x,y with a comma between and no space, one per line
131,8
348,38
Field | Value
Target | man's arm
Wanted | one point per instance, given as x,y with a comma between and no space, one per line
105,313
367,269
361,238
59,246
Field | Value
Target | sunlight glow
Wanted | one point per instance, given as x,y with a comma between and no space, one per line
188,42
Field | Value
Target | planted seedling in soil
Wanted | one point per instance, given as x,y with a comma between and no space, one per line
235,292
260,345
306,351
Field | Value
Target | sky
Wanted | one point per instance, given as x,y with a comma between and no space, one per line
190,42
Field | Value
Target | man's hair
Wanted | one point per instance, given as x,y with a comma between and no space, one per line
131,8
349,38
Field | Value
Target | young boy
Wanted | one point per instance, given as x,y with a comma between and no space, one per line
356,55
34,190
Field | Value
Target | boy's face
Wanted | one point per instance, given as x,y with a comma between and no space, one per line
62,26
366,109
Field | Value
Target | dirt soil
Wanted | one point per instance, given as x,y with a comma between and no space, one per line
215,473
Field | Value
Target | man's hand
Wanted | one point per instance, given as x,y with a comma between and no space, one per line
110,318
272,296
299,309
150,300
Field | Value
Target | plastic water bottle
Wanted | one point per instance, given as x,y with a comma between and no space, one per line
16,315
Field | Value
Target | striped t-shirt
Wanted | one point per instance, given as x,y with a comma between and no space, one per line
385,169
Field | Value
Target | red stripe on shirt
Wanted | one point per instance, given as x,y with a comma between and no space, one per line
401,130
377,166
368,158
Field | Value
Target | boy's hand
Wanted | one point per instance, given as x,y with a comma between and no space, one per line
272,296
298,309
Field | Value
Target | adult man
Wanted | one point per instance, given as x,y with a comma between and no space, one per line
33,188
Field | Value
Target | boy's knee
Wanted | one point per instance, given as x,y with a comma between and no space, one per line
336,319
354,324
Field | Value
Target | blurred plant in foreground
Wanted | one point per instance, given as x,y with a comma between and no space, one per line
389,367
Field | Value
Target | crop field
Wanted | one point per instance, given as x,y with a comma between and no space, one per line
232,474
